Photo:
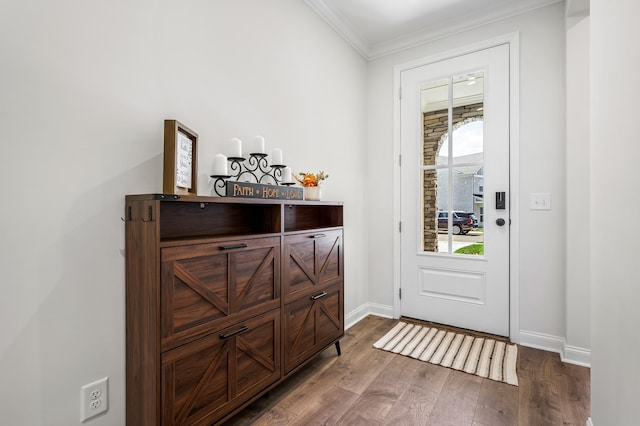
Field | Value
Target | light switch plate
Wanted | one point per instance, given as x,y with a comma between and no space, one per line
540,201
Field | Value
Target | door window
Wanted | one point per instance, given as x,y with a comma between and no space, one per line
452,165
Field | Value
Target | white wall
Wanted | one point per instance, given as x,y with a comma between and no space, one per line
615,150
85,87
578,186
541,168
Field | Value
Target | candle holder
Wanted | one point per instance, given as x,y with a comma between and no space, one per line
220,183
255,169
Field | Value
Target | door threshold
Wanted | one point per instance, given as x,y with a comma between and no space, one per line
446,327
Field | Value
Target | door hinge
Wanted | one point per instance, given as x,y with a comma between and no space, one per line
400,292
400,160
399,226
400,93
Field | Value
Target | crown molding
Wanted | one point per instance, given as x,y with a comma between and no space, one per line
341,26
448,29
577,8
369,52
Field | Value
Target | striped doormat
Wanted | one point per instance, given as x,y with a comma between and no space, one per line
481,356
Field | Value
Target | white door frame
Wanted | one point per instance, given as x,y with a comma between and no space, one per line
513,40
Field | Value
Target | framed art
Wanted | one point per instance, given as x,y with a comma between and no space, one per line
180,171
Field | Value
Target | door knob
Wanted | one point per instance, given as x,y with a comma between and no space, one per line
500,222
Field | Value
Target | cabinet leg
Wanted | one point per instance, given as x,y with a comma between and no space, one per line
338,348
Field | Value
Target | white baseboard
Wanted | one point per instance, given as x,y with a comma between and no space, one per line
384,311
353,317
546,342
578,356
542,341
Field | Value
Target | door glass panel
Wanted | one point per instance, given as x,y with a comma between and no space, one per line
467,113
452,167
435,112
429,212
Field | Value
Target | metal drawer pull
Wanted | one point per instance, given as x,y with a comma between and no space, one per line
318,236
320,296
233,333
234,246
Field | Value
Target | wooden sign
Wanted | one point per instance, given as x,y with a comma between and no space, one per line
260,190
180,171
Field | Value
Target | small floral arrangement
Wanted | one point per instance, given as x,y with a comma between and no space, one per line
309,179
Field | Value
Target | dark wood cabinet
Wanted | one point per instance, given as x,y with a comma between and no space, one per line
209,377
225,298
313,261
313,293
311,323
210,286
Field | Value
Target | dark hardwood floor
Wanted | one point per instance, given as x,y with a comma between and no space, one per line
367,386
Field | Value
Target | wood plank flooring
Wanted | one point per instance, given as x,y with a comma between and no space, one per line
367,386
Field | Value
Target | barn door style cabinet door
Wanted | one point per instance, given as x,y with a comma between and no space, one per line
225,298
313,296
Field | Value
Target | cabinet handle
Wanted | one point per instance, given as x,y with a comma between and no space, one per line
234,246
233,333
318,236
320,296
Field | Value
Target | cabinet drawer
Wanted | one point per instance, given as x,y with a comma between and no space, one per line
205,287
311,261
311,323
205,379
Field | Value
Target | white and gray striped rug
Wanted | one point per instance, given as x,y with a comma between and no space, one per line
481,356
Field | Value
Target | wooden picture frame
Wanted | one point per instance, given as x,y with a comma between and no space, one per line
180,171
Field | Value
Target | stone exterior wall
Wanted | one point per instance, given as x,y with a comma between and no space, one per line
435,126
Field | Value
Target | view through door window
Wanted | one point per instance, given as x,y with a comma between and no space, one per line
453,165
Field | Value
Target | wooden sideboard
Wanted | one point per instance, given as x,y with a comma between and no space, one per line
225,298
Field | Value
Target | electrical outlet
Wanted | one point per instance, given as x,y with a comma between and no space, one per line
94,399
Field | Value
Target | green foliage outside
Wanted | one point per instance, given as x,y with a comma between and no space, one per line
476,249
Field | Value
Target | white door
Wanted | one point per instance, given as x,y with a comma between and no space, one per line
454,118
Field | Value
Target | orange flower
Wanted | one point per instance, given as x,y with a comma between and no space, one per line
310,179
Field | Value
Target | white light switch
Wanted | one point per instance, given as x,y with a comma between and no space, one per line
540,201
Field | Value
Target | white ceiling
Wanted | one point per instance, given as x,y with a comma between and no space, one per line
379,27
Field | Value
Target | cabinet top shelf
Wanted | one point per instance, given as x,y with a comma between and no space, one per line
227,200
191,216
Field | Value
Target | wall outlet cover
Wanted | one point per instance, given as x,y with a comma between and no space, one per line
94,399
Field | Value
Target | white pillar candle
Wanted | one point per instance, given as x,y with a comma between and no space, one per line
220,165
235,148
276,157
258,145
286,175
